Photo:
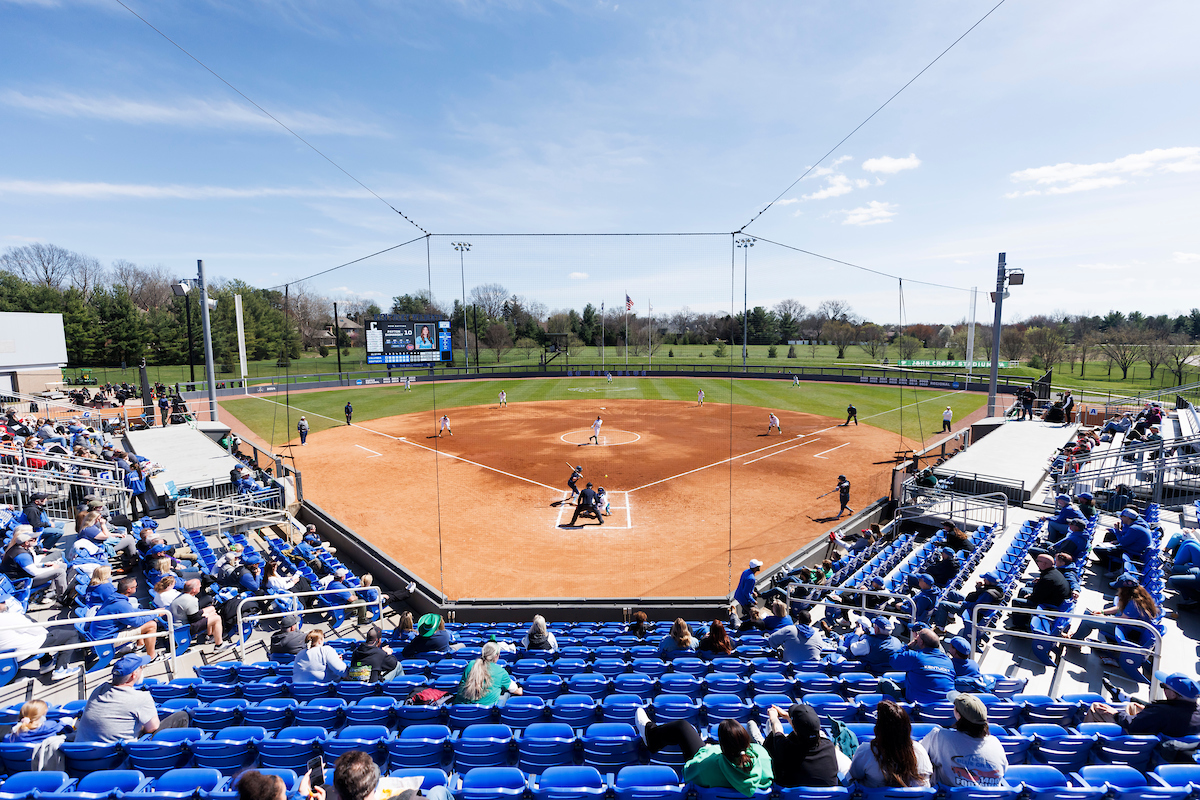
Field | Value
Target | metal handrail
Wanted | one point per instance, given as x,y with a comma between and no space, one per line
27,476
20,655
1156,651
378,601
912,613
967,505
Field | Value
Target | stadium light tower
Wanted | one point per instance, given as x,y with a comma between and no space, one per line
463,247
745,244
1014,277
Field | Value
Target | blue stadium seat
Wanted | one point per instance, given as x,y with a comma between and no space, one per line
321,712
494,783
419,746
371,739
711,793
482,746
544,745
418,715
228,750
814,793
897,794
353,691
591,684
304,692
1126,783
718,707
608,667
520,711
621,708
671,707
1133,751
938,713
576,710
274,714
182,783
430,777
647,782
164,751
1177,774
689,665
85,757
728,683
268,689
464,715
608,746
546,687
26,784
770,682
566,667
529,666
636,683
653,666
681,683
107,783
816,682
569,783
218,714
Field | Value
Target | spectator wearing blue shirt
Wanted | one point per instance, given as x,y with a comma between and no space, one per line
926,598
33,726
874,648
928,671
680,639
1075,543
249,578
1057,524
1133,539
123,603
1070,570
432,637
959,650
1132,602
778,618
745,593
19,563
1119,425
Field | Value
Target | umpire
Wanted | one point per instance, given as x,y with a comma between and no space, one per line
587,505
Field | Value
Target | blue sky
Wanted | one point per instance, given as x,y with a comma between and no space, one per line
1063,133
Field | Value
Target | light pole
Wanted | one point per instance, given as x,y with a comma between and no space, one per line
745,244
209,373
1014,277
463,247
182,289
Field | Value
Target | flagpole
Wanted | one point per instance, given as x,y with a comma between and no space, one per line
601,335
627,333
650,332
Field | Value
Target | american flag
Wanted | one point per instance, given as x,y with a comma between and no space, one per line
628,303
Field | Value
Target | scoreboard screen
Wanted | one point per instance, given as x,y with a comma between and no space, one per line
408,339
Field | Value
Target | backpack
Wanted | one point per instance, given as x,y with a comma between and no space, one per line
427,696
844,738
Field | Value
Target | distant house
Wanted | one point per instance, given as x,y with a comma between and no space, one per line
349,327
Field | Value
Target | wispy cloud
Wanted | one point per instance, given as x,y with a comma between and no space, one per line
1185,258
96,191
194,112
873,213
890,166
836,185
578,276
1068,177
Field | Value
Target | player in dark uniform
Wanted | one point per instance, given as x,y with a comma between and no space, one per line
571,484
349,409
851,414
843,489
587,506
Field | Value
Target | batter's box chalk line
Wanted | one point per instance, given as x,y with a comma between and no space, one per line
612,522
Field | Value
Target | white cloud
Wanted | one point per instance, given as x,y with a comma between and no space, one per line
873,213
1068,177
578,276
787,201
836,186
192,112
1106,266
99,190
890,166
1185,258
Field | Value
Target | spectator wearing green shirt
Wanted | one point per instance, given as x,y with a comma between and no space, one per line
484,680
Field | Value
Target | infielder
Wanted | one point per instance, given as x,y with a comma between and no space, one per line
571,484
700,396
503,399
795,380
843,490
349,409
851,414
445,425
595,437
773,422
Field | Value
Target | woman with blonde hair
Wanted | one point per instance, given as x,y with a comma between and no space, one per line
165,591
679,639
405,627
538,637
483,680
318,662
34,727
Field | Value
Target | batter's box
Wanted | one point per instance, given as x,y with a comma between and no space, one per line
620,515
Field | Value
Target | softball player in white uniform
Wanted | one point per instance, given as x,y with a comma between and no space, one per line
595,437
445,426
773,422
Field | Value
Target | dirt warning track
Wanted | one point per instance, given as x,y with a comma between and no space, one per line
479,513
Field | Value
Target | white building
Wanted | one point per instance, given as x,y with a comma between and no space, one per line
33,352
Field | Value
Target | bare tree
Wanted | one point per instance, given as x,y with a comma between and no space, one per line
1183,352
1012,343
498,339
311,312
44,264
682,320
490,298
1047,344
148,287
88,276
793,307
1123,347
908,346
1088,344
528,345
838,310
873,340
1156,352
840,334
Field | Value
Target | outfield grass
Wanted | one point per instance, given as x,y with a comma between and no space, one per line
877,405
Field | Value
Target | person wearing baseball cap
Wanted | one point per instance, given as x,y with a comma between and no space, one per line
1087,504
1050,589
967,754
745,594
959,650
1057,524
289,639
1176,715
1133,539
928,671
875,647
987,591
803,757
1076,542
432,637
46,530
117,712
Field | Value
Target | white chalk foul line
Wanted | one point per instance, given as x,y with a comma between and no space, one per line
423,447
784,450
716,463
830,450
369,450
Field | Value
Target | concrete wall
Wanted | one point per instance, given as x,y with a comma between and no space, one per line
32,381
35,348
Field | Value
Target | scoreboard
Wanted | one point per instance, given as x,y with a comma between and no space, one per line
408,339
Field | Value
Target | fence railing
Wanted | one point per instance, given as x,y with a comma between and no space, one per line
61,408
977,510
1155,653
64,491
241,619
1145,469
223,514
69,464
862,594
125,638
974,483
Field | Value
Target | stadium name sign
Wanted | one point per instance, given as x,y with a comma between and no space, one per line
935,363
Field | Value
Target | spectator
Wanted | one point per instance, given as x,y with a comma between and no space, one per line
50,436
273,581
1065,564
800,641
1050,589
112,540
1120,497
1132,602
344,597
1057,524
1133,539
680,639
967,754
47,531
876,647
803,757
746,593
405,630
716,640
483,680
100,589
227,564
203,621
966,671
249,578
928,671
123,603
432,637
289,639
924,601
135,482
538,637
33,727
942,567
778,617
356,777
164,592
956,538
892,758
987,591
736,762
1119,424
117,712
15,636
1176,715
1087,504
254,785
318,662
372,661
640,627
1076,542
19,563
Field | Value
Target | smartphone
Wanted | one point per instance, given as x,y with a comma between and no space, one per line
316,771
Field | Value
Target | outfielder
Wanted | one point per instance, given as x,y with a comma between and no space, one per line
700,396
609,376
843,490
445,425
407,383
773,422
503,399
595,437
795,380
